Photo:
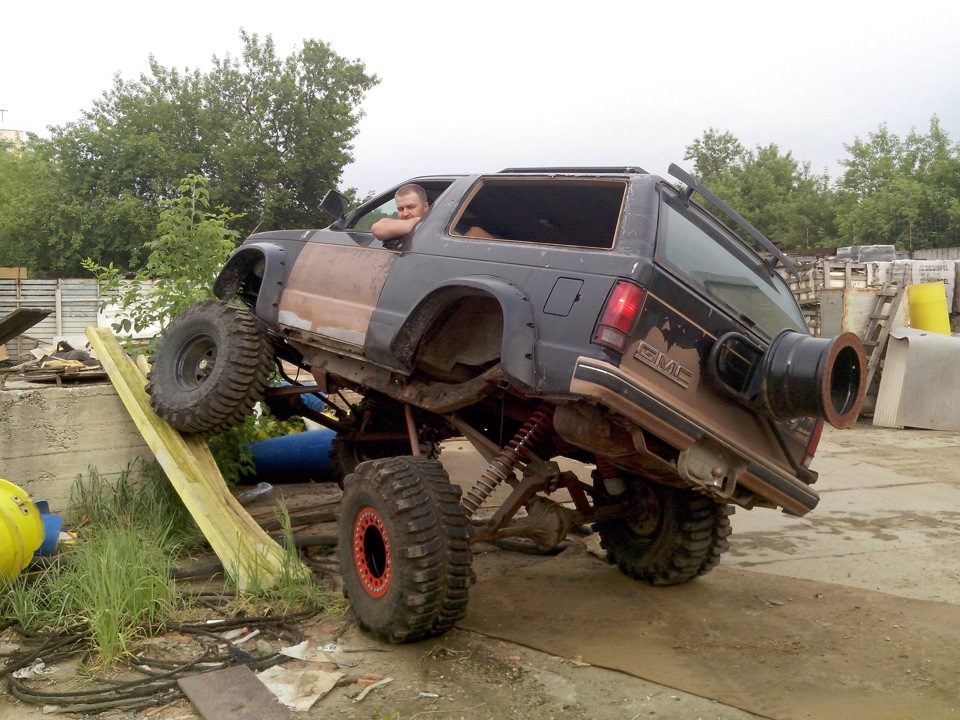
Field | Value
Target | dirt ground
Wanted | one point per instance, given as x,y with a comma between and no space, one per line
853,611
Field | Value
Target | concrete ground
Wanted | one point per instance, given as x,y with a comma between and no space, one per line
850,612
888,519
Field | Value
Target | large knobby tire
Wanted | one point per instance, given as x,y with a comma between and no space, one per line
674,536
211,368
404,548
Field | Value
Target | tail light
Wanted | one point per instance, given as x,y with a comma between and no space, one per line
813,444
619,316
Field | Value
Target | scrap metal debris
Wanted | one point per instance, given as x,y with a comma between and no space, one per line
63,363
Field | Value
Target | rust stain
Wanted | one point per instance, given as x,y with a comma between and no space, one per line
333,290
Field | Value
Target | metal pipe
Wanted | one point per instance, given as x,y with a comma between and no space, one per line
412,431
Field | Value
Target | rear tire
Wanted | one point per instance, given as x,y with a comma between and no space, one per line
674,536
404,548
211,368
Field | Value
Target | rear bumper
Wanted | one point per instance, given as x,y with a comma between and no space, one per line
610,386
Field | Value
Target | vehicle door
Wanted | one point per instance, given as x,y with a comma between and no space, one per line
337,279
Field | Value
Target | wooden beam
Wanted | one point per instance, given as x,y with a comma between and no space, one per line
251,557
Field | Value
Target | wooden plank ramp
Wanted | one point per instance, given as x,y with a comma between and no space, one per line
248,554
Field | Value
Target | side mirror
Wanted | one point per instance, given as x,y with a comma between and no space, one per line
334,204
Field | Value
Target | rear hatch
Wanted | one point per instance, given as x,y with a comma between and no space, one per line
706,283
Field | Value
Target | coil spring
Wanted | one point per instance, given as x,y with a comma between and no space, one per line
516,451
605,469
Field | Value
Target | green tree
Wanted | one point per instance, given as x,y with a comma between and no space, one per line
39,225
271,134
192,245
714,153
775,192
904,192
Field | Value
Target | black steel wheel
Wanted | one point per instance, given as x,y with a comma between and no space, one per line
674,535
211,368
404,548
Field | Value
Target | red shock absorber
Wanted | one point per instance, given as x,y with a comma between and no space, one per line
605,469
516,451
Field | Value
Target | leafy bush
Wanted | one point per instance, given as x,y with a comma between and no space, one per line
192,245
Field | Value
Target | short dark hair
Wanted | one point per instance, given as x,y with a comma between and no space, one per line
412,188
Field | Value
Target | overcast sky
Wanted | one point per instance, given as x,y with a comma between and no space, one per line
478,86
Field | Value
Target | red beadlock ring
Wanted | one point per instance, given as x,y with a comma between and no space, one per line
371,552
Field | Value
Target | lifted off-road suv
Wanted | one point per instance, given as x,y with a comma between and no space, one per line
600,315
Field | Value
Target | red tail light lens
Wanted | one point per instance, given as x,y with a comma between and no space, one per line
813,444
619,316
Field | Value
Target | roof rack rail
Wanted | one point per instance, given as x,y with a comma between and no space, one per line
599,170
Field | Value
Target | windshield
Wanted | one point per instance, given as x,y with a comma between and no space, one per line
696,247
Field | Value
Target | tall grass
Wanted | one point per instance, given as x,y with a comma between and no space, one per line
117,581
294,589
140,496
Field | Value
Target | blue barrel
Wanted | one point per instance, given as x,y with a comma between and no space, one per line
300,457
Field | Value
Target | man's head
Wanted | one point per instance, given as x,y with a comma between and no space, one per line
411,202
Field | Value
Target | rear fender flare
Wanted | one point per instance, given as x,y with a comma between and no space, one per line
519,325
269,262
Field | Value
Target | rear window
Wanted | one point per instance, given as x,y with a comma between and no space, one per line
574,212
694,246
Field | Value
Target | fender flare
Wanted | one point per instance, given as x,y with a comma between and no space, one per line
243,264
519,325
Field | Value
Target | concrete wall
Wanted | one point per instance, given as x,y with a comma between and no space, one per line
50,434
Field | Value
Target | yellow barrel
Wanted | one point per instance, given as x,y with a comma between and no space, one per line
21,530
928,307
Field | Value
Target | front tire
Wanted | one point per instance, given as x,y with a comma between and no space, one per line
674,535
211,368
404,548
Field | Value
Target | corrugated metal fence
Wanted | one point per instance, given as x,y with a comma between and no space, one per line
75,304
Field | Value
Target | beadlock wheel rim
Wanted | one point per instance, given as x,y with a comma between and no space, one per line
371,552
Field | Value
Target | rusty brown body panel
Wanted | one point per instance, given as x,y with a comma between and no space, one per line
685,437
674,375
333,290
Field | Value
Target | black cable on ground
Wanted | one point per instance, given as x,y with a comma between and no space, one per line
154,688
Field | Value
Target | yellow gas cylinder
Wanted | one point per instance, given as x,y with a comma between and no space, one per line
928,307
21,530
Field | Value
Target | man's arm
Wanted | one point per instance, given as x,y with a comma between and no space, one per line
390,228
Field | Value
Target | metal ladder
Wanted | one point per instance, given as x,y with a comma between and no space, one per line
878,329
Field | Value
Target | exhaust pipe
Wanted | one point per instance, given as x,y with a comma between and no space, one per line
797,376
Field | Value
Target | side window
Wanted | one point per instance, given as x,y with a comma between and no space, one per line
387,206
366,221
570,212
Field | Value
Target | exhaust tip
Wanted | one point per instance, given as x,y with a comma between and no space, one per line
845,381
809,376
